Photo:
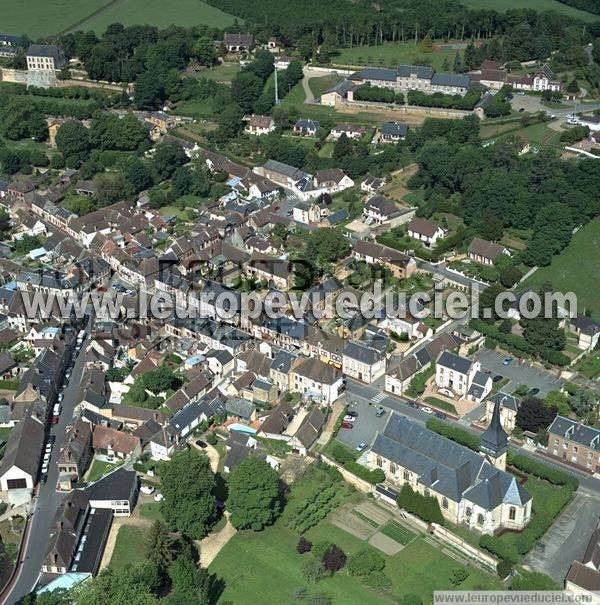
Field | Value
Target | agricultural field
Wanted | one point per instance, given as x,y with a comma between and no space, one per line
39,18
567,273
540,5
390,54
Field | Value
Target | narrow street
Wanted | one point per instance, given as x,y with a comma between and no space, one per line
48,499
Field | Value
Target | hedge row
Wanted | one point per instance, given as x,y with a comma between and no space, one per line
541,470
517,344
313,510
454,433
438,99
345,457
425,507
500,548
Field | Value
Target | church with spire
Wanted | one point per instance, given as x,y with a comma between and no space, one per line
495,441
472,489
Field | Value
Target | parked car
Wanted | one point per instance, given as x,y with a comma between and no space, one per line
44,468
147,489
61,396
101,288
533,392
48,446
413,404
47,457
201,443
380,412
44,477
361,447
427,409
506,361
348,418
353,414
158,497
347,425
440,415
497,378
52,439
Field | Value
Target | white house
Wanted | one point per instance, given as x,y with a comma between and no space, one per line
462,376
259,125
425,231
317,380
333,180
20,464
363,362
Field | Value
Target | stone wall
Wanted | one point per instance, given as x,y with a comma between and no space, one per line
482,557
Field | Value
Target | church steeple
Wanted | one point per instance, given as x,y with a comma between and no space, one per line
495,441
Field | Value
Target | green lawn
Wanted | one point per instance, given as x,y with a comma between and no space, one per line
540,5
264,568
99,469
221,73
130,547
151,510
39,18
441,404
589,366
295,96
390,54
567,273
319,85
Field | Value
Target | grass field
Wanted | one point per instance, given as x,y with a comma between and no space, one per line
567,272
130,547
264,568
540,5
99,468
390,54
224,72
38,18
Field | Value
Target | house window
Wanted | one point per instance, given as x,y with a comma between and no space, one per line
512,513
379,462
393,469
468,512
444,502
575,450
406,475
480,519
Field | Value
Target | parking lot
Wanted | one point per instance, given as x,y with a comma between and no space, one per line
518,373
365,426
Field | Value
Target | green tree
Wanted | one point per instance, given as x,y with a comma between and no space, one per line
205,51
136,173
188,485
509,276
167,158
73,140
573,86
246,88
110,188
161,547
254,500
190,580
22,120
132,584
149,90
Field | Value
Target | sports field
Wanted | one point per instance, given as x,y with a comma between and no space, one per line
390,54
39,18
540,5
575,269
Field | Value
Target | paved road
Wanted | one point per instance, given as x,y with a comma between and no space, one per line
567,539
519,373
48,499
357,391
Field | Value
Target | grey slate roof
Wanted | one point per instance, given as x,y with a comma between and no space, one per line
362,353
392,129
454,362
445,466
458,80
575,431
505,400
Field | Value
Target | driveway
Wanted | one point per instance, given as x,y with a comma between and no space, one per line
567,539
518,373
